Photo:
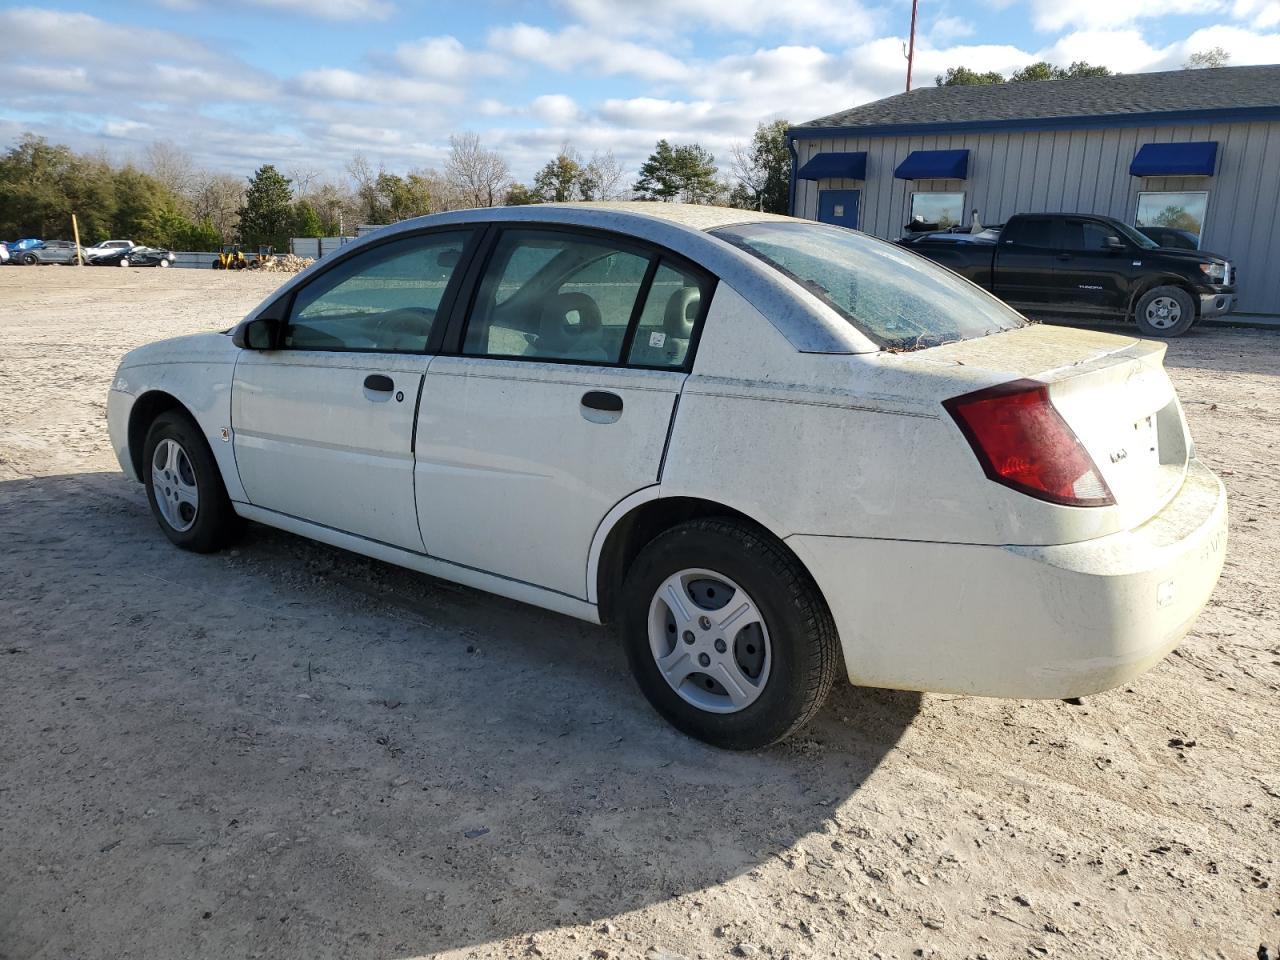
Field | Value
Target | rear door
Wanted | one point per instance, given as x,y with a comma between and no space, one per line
1092,277
1025,263
557,403
323,424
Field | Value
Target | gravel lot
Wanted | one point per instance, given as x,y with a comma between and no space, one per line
289,751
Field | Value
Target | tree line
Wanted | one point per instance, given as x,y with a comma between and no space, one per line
164,199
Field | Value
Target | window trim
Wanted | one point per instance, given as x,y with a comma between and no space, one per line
448,300
964,194
1203,221
657,255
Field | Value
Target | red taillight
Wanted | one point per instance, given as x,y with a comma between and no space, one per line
1022,441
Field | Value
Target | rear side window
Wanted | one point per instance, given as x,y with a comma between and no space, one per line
898,299
384,299
1029,232
583,298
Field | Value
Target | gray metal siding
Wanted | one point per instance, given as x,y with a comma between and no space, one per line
1085,171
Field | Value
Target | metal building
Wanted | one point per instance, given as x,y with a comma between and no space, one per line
1197,151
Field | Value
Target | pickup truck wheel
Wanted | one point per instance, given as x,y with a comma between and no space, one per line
1165,312
727,635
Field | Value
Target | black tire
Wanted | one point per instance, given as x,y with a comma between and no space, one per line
802,635
1165,312
29,259
215,521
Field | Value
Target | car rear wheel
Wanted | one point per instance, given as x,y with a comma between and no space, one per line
1165,312
727,635
163,263
29,259
184,487
124,261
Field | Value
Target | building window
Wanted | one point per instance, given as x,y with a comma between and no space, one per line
936,211
1173,218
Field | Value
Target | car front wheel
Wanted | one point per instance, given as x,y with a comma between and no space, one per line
184,487
727,635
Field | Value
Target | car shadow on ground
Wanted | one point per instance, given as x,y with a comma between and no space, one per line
287,749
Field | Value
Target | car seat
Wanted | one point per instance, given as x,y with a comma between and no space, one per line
669,349
560,337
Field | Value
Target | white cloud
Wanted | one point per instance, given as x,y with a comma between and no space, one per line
342,84
946,29
324,9
577,47
1055,15
555,108
842,19
446,57
1262,14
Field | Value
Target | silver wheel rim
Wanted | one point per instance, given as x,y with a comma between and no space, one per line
173,485
710,641
1164,312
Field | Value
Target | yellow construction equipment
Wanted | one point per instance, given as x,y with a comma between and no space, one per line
231,257
266,257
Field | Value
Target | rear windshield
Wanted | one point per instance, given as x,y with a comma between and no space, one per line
898,299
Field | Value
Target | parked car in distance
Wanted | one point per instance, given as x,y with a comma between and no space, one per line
108,246
762,448
1172,237
50,251
1075,265
135,256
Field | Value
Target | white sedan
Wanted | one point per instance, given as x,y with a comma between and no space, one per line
765,449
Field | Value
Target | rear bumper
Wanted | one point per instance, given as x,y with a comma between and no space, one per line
1012,621
1216,304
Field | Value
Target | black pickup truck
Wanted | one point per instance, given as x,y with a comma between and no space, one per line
1077,265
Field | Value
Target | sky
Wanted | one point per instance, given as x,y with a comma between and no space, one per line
306,84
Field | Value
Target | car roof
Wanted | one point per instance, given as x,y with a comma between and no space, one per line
808,324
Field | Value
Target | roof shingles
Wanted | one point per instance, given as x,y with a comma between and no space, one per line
1221,88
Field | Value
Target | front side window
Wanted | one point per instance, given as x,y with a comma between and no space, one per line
1182,211
898,299
936,211
1086,235
549,295
384,299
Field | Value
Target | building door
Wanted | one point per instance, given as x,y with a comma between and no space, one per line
839,207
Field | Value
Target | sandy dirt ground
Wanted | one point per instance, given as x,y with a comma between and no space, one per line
288,751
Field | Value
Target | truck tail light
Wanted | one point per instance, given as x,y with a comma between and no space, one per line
1022,442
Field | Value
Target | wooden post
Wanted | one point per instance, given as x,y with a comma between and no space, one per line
75,229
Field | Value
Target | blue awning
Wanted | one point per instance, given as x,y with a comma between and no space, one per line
848,166
934,165
1175,159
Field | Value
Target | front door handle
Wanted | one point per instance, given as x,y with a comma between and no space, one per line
1064,256
602,400
379,382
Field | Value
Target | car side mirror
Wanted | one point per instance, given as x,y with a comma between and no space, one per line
257,334
1115,243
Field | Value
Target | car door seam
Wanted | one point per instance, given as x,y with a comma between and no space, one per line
413,428
671,426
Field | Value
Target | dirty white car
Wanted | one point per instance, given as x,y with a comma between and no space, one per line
766,449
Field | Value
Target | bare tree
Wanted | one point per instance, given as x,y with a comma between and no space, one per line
1213,57
479,176
303,178
606,176
172,166
218,198
751,176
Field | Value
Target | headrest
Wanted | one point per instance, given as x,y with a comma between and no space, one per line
682,308
556,310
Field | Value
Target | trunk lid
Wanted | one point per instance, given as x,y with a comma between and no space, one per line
1111,390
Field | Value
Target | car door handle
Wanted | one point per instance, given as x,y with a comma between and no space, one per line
1064,256
379,382
602,400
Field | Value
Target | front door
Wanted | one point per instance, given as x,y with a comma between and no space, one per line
558,405
323,424
1092,276
839,207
